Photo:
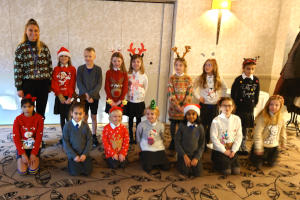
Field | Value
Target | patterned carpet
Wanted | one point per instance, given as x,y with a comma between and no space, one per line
54,182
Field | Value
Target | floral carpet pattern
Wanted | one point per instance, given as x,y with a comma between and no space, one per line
53,181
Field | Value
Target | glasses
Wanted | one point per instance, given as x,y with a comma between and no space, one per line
227,105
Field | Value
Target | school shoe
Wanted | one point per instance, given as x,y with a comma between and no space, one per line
95,141
226,172
172,145
235,171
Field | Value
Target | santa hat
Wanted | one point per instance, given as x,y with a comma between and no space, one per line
194,107
115,108
63,52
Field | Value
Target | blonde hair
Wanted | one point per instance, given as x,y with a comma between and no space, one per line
156,110
133,58
268,119
118,55
217,79
39,44
183,62
115,111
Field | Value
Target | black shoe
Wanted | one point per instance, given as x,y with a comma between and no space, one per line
172,145
132,141
95,141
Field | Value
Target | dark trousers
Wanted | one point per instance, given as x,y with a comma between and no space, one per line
208,113
130,126
173,131
189,171
150,160
115,164
222,162
40,90
269,157
80,168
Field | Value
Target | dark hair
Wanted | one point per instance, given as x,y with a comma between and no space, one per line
25,101
133,58
226,99
90,49
197,121
77,105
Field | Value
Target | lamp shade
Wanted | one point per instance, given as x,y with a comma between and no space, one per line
221,4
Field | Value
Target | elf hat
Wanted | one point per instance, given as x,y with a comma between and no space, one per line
63,52
115,108
194,107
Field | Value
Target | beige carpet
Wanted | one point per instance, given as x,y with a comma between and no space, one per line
54,182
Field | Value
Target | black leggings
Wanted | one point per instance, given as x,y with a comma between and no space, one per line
130,125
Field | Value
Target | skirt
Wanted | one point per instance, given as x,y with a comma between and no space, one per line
247,118
153,158
134,109
60,108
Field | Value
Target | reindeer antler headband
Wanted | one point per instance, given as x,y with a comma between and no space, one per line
187,49
140,50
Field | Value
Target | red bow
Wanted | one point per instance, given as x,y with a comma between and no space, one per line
28,96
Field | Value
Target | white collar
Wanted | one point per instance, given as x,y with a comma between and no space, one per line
135,73
210,76
74,122
222,115
116,69
244,76
64,65
113,126
179,74
154,124
190,124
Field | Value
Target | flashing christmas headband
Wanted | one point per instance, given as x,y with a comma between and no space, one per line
250,60
140,50
123,103
212,54
28,96
153,105
115,108
187,49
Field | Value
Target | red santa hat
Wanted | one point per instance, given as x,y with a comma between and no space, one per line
115,108
194,107
63,52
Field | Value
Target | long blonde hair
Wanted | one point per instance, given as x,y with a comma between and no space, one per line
268,119
217,79
39,44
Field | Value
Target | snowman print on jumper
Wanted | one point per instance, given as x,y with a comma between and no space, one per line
273,130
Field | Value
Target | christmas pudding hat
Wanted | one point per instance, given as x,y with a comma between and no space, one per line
194,107
140,50
63,52
187,49
250,60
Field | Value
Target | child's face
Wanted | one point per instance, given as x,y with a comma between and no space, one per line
77,114
32,33
274,106
179,67
116,117
208,67
89,57
249,70
227,107
191,116
116,62
63,59
27,109
151,116
136,64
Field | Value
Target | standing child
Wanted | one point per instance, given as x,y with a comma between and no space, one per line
27,135
190,142
209,88
226,136
63,85
180,91
89,82
116,81
150,137
77,141
269,133
115,139
137,87
245,93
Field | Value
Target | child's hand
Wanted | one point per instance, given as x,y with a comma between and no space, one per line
61,98
115,157
121,157
77,159
232,154
68,101
82,158
33,159
227,153
91,100
25,159
201,99
20,93
194,162
187,161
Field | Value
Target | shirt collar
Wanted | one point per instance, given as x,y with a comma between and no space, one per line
190,124
113,126
154,124
116,69
64,65
74,122
210,76
222,115
244,76
179,74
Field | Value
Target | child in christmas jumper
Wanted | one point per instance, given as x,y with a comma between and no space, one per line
27,135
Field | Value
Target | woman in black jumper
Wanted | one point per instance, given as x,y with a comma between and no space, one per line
33,67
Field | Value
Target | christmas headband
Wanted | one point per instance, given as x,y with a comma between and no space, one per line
78,99
153,105
123,103
212,54
250,60
187,49
140,50
28,96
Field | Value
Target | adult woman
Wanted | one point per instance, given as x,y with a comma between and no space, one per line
33,67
